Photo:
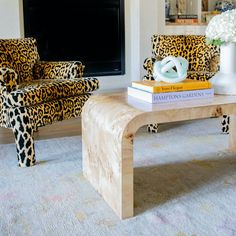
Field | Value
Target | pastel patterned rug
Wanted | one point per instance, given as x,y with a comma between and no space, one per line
185,185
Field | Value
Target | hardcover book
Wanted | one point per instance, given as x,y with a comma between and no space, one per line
187,16
163,87
186,21
158,98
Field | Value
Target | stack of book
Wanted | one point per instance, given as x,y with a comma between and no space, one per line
160,92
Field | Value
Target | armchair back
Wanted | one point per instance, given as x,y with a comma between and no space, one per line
191,47
20,55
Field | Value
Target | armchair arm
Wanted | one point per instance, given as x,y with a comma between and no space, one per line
148,65
89,84
58,70
8,79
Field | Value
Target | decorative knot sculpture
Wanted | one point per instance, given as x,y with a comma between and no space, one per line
164,69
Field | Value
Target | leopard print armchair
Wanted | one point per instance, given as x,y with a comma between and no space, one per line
35,93
203,60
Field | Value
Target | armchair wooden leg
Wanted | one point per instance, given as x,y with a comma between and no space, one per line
152,128
225,124
23,133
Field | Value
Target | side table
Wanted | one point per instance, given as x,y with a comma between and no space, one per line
109,124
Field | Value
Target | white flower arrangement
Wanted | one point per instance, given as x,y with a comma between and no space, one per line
222,28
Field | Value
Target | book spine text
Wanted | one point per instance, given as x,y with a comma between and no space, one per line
171,96
181,96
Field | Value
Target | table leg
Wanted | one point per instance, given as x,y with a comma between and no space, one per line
232,133
108,160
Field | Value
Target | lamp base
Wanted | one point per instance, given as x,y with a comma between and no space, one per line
224,84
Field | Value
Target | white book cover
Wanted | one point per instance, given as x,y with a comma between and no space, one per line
171,96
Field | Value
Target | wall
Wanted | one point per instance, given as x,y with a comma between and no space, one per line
140,21
149,22
11,19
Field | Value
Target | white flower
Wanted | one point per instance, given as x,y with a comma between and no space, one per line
222,28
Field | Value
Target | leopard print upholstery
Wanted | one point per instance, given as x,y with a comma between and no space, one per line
35,93
20,121
22,55
225,124
58,70
195,75
8,79
203,60
45,90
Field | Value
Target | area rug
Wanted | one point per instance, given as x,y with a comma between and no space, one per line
184,183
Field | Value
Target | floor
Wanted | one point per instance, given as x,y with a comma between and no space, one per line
184,184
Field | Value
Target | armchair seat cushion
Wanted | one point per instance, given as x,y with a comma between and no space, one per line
45,90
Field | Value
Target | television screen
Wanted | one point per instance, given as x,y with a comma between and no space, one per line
91,31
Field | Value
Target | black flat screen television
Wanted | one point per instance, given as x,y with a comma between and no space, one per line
91,31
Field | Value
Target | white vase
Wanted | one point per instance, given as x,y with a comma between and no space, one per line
224,81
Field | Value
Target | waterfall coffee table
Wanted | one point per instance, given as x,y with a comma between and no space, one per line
109,124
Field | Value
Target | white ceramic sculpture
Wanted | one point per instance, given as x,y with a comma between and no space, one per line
164,70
